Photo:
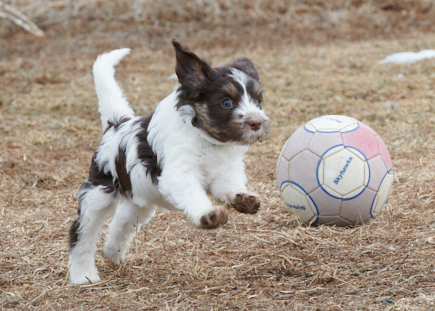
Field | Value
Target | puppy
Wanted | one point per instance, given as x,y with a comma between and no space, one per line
193,143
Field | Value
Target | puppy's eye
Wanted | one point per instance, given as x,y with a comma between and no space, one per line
227,103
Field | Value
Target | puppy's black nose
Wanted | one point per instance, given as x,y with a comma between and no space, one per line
255,125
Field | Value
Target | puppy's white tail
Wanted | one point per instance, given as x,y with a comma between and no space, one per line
112,104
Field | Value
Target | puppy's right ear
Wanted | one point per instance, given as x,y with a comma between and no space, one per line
190,69
247,66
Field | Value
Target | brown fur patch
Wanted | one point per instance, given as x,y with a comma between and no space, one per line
230,89
123,180
97,177
116,123
254,90
247,66
145,153
73,233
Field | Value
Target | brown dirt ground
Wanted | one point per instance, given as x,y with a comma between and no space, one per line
49,128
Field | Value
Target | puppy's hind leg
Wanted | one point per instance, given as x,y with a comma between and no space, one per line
95,205
126,223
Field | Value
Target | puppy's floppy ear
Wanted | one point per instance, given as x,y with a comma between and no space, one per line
245,64
190,69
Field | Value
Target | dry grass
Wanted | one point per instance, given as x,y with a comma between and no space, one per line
234,22
49,127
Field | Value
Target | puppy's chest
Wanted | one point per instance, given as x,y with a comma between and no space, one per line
215,161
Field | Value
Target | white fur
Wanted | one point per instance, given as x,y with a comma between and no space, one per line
247,106
191,162
124,136
127,221
112,103
81,257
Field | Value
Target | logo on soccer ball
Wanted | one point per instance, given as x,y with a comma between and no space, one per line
343,172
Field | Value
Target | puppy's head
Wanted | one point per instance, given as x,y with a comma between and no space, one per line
225,102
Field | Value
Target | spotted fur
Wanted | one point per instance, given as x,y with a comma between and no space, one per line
193,144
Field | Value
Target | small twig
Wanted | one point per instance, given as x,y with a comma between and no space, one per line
107,287
34,299
288,259
102,282
93,284
6,11
255,267
260,239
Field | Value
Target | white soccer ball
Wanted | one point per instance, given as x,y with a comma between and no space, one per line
335,170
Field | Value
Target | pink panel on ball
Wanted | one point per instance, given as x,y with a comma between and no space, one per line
377,172
357,210
321,142
296,143
363,140
383,150
303,169
368,128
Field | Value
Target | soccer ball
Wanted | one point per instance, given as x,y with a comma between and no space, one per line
335,170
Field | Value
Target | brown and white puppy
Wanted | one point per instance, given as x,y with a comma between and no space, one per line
194,142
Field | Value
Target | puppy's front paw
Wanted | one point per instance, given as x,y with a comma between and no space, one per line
246,203
114,254
214,219
83,273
